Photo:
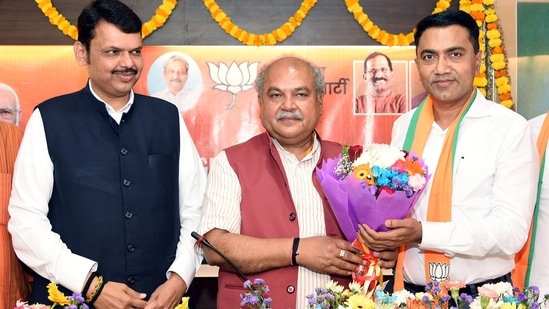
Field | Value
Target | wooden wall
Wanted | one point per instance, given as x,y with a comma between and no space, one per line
329,22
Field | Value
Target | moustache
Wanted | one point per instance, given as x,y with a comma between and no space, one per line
285,114
176,80
124,71
376,79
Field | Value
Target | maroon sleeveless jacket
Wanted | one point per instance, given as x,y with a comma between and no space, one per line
268,211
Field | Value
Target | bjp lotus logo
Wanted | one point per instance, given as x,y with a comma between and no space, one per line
234,78
439,271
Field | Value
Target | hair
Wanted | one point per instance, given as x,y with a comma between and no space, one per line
17,110
318,77
375,54
174,58
449,18
111,11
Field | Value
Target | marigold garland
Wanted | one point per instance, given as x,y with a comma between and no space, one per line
483,11
491,43
162,13
380,35
278,35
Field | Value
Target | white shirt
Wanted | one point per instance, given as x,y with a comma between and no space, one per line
494,187
44,251
222,206
539,269
184,99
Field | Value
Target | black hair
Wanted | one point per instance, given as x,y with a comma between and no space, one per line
111,11
375,54
449,18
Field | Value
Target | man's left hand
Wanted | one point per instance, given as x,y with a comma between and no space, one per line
400,232
169,294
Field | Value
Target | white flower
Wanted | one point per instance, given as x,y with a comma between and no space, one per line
501,288
402,297
382,155
355,287
334,286
416,181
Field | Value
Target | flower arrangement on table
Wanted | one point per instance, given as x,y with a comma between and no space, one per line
368,187
491,296
75,301
256,296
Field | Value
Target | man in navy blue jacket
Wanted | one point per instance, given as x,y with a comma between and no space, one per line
108,184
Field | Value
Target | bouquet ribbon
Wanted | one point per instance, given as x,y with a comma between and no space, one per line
368,276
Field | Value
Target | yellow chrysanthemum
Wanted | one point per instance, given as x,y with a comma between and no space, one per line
502,81
56,296
507,103
184,304
360,301
498,65
364,172
504,89
480,82
495,42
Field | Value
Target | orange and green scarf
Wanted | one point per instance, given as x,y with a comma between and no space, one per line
523,259
437,265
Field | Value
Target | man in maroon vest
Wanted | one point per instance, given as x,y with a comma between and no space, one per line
264,208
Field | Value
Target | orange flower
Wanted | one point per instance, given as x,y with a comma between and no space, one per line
413,166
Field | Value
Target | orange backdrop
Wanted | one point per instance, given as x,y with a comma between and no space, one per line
221,118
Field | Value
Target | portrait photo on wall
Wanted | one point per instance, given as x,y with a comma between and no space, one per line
381,84
176,78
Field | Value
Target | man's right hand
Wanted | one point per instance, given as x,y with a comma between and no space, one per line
328,255
117,295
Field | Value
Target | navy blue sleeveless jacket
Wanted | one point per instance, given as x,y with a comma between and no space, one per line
115,197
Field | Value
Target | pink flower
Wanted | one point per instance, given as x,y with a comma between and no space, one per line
487,293
417,181
454,285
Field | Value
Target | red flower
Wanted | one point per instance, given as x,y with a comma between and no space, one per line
386,189
354,152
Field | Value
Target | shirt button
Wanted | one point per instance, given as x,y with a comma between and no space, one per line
126,183
290,289
124,151
131,280
292,216
128,215
131,248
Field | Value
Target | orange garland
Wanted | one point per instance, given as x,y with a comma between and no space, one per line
484,13
278,35
158,20
380,35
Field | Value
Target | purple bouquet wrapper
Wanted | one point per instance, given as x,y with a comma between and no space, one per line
354,204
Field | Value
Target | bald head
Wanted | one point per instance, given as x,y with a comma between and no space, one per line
292,62
9,105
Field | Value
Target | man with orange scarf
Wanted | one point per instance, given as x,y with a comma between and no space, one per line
13,280
475,212
532,268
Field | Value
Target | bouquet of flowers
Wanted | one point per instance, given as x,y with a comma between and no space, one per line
369,187
256,297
